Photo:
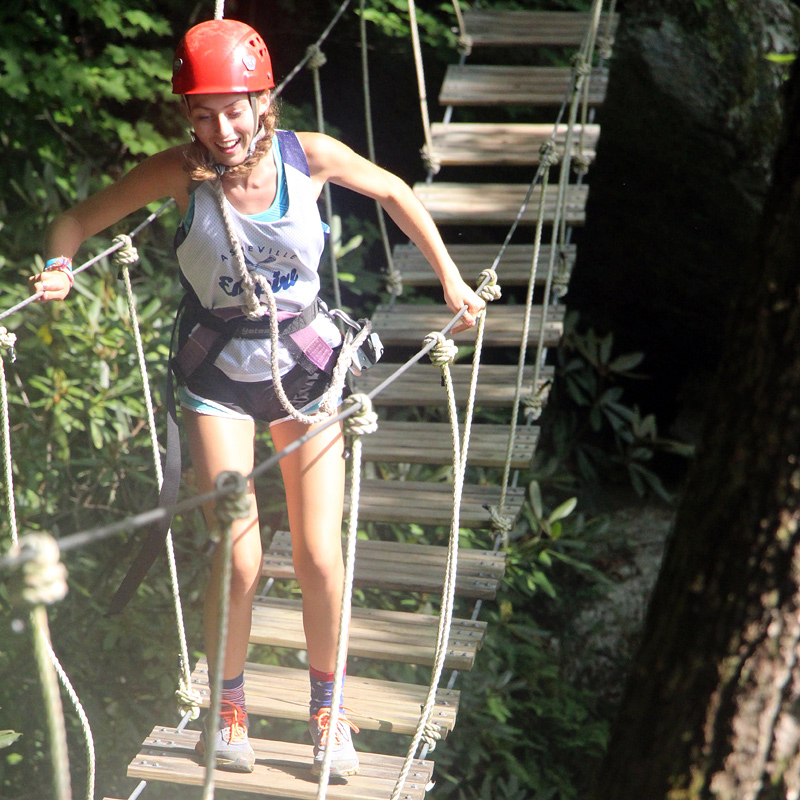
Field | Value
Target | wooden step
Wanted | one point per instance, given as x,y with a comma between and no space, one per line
403,325
374,633
375,705
497,85
492,144
283,770
514,268
506,28
400,566
432,443
499,203
425,503
421,384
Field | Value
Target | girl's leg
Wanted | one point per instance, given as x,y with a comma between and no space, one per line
218,444
314,479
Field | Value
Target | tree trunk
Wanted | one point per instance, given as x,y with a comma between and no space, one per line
712,705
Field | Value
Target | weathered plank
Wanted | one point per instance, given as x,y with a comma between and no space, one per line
374,633
499,203
400,566
404,325
496,144
513,269
506,28
421,384
283,770
432,443
496,85
422,503
372,704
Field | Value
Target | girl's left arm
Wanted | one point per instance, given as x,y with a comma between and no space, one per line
330,160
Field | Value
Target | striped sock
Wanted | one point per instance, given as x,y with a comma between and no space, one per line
322,690
233,691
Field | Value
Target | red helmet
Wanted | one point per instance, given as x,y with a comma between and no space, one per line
221,56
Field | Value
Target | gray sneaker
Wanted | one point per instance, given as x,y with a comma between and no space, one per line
344,760
231,746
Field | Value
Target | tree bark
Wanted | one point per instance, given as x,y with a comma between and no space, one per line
712,704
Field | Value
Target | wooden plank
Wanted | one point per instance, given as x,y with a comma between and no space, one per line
390,706
513,269
402,325
432,443
400,566
422,503
374,633
421,384
499,85
499,203
489,144
283,770
508,28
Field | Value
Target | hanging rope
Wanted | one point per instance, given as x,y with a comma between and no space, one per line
188,699
363,421
7,341
394,280
423,97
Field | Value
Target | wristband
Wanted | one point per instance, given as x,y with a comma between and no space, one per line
61,264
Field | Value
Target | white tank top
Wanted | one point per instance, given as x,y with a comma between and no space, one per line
286,252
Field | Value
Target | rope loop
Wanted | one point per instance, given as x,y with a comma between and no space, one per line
43,578
127,254
548,156
235,503
8,340
444,351
432,163
316,58
534,405
189,701
363,421
491,291
465,44
561,276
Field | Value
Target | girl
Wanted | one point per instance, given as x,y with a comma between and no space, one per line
241,175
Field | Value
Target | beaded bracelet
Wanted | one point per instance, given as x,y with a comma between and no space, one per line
61,264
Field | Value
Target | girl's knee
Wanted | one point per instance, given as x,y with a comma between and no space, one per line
318,568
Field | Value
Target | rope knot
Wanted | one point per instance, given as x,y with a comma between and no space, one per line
43,578
581,162
581,66
534,405
189,701
394,282
234,503
127,253
547,154
443,352
562,275
432,163
316,58
491,291
605,46
362,421
501,523
431,735
8,340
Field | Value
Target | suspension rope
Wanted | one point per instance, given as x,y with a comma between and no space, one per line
7,341
423,97
364,421
126,255
394,279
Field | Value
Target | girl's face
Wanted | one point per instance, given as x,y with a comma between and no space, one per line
224,124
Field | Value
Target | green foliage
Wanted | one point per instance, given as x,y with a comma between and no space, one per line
593,431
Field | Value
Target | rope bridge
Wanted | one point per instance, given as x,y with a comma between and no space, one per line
38,577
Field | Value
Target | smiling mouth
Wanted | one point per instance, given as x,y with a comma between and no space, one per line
228,147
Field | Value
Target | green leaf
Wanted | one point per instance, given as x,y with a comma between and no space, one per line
8,737
564,510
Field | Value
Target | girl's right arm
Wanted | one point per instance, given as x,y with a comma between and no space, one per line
159,176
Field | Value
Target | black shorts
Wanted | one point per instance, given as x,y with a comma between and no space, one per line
258,400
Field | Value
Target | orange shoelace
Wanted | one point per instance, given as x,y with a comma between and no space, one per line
235,718
323,717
